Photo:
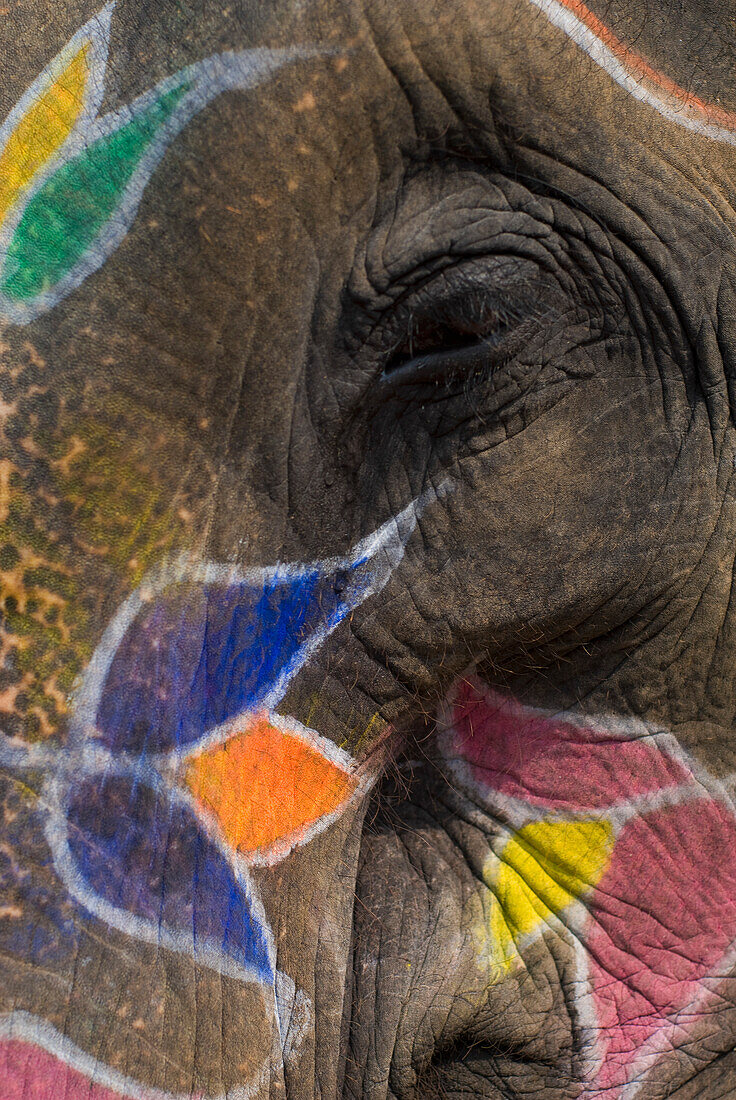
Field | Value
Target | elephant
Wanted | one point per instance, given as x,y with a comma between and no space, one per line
368,505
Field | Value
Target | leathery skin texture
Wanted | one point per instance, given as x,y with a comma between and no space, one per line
367,637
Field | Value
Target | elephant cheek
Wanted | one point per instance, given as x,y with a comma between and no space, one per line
310,900
419,964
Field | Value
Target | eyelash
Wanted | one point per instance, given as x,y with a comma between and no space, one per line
454,326
457,326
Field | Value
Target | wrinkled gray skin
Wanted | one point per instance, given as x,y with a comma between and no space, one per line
253,336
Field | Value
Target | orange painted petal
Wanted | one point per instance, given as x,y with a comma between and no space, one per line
43,129
267,786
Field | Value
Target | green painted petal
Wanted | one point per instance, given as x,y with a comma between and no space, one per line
78,203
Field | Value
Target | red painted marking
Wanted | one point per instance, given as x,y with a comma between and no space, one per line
659,927
655,934
641,69
553,763
28,1072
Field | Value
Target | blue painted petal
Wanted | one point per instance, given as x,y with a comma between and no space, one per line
202,653
188,652
144,856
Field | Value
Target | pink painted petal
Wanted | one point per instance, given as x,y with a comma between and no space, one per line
28,1072
655,935
551,762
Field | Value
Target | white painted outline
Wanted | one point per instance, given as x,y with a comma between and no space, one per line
86,757
233,71
55,796
667,1038
671,107
517,812
96,35
24,1027
293,1014
291,1010
384,548
511,814
26,756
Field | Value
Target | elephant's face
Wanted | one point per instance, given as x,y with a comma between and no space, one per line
367,480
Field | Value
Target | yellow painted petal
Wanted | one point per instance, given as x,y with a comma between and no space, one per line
43,129
544,867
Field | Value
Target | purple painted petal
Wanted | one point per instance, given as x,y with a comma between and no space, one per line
197,646
146,857
201,654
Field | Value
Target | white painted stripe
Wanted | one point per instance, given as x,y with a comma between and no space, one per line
25,1027
639,88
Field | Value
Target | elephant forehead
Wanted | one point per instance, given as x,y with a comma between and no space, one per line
672,62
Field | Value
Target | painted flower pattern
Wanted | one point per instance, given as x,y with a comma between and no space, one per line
180,775
615,839
71,180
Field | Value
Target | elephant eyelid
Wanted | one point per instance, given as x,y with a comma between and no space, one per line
446,330
459,323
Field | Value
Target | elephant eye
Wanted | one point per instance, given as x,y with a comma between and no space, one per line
468,324
458,326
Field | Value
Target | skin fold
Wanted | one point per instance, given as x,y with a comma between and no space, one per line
367,493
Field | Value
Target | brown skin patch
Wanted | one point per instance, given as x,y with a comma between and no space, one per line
85,500
196,394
